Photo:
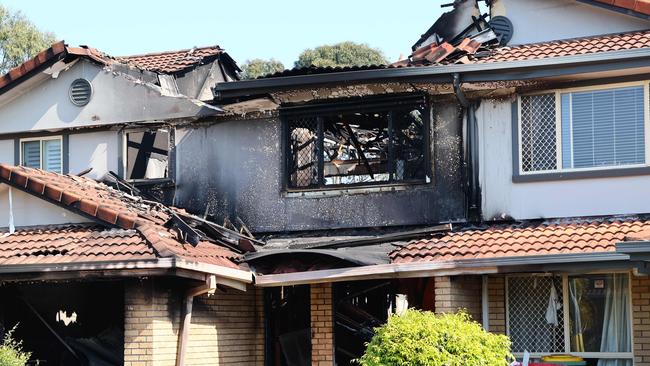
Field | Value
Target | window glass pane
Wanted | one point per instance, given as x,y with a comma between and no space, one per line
535,316
356,148
606,128
538,139
599,313
52,156
409,144
31,154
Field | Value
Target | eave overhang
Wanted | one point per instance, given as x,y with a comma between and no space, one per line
437,268
126,268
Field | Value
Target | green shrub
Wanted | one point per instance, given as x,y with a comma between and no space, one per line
11,351
422,338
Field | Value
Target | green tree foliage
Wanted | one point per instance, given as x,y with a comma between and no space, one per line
341,54
421,338
19,39
257,67
11,351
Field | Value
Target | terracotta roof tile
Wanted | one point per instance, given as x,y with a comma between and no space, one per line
172,61
576,46
145,221
72,243
639,6
572,235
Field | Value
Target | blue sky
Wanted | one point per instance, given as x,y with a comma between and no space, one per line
246,29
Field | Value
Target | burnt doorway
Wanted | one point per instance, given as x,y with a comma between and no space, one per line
288,326
71,323
359,307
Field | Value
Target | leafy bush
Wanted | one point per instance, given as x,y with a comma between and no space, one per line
422,338
11,351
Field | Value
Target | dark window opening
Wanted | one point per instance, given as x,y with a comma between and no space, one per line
66,323
147,154
360,307
381,146
288,326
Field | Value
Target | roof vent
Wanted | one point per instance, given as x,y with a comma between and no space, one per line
502,26
80,92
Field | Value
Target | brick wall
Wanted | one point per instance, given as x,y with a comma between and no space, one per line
641,320
458,292
497,304
322,322
227,328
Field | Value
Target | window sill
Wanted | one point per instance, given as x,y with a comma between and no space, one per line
581,174
343,191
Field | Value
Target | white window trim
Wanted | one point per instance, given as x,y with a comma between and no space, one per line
41,139
565,310
558,127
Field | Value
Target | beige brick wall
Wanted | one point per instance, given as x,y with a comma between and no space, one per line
227,328
458,292
322,323
497,304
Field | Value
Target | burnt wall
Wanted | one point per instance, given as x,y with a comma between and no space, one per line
234,169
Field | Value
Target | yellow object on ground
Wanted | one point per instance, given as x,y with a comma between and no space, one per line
562,358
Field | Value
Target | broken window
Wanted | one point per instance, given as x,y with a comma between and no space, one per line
356,145
147,154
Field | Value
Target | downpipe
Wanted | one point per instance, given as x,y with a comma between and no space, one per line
209,287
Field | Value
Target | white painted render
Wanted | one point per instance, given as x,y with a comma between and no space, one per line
30,211
561,198
116,98
545,20
96,150
7,151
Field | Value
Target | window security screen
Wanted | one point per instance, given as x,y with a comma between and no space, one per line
538,140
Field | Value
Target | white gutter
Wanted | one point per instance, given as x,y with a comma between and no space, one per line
429,269
222,273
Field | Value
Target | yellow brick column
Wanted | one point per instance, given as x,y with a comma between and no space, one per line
138,332
322,325
497,304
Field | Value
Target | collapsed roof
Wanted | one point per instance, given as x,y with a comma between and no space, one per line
163,69
127,229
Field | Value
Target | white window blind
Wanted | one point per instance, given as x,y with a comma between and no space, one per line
32,154
603,128
52,156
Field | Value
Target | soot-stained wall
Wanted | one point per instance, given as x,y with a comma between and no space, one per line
232,169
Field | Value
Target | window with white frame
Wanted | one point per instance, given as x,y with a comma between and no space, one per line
42,153
584,315
570,130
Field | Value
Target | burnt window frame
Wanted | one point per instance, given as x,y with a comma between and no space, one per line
171,154
384,103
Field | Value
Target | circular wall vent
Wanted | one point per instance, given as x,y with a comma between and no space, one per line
503,28
80,92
